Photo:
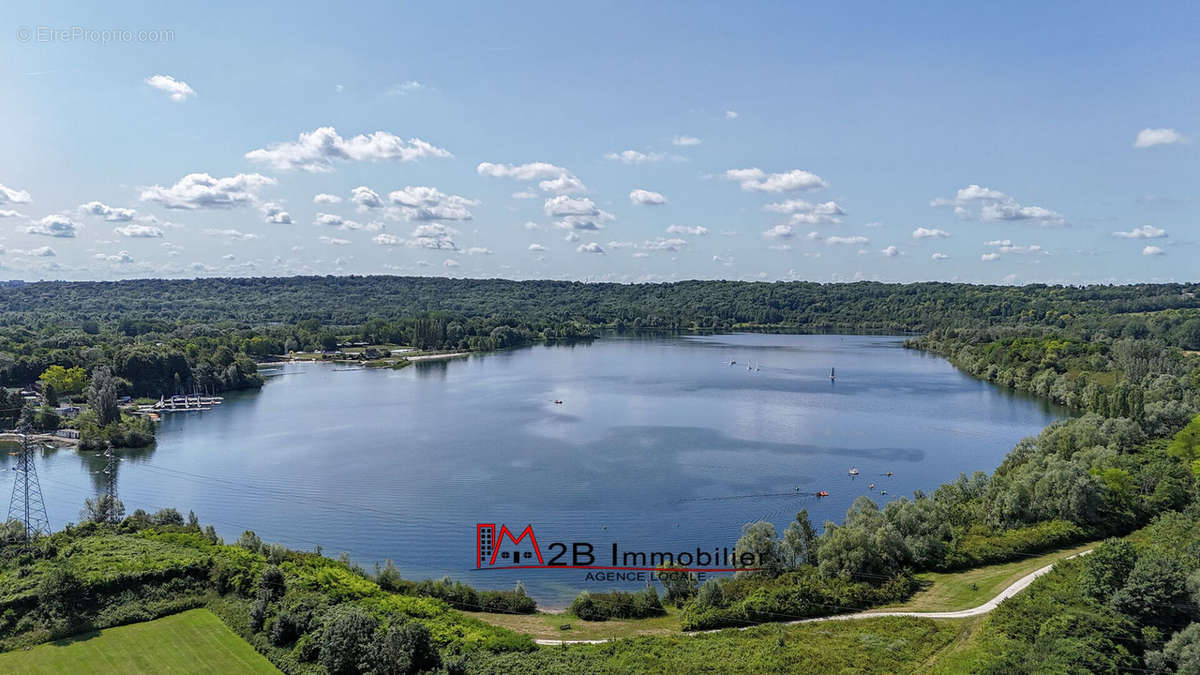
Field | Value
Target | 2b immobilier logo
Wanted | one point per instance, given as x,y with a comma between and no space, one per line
498,549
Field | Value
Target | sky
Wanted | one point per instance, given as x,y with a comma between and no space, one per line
619,141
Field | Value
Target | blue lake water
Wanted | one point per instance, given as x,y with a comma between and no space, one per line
658,444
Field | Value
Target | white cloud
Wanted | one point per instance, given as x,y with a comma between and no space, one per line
10,196
333,241
525,194
590,247
202,191
851,240
557,179
804,212
728,262
663,244
1153,250
731,114
419,202
1143,232
684,141
536,247
927,233
111,214
54,225
448,262
479,250
781,231
530,225
404,88
432,235
989,257
757,180
326,198
139,231
891,251
9,213
646,197
1148,138
386,239
121,257
274,213
576,213
998,242
231,234
975,201
39,252
317,150
178,90
939,256
366,198
635,157
696,230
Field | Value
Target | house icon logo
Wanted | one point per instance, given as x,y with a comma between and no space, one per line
502,547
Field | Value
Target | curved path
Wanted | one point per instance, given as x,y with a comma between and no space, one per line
1016,587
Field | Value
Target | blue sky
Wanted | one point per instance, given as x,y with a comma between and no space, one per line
1011,143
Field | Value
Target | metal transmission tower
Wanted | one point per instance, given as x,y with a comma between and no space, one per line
26,504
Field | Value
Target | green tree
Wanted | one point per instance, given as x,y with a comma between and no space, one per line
1181,654
679,585
758,541
1107,568
102,509
1155,594
347,640
799,544
102,397
64,380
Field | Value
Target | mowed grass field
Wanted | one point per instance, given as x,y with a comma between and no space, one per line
191,642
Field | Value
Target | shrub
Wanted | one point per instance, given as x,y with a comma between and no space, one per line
617,605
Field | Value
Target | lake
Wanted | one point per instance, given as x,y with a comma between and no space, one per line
657,444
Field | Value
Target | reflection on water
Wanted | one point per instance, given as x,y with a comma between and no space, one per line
658,444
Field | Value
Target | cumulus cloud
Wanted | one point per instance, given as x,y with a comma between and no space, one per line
121,257
635,157
178,90
590,247
891,251
334,220
333,241
939,256
9,213
1148,138
418,202
274,213
39,252
928,233
366,198
449,262
684,141
386,239
576,213
757,180
1153,250
989,257
731,114
236,235
836,240
536,247
980,203
11,196
478,250
804,212
110,213
54,225
202,191
553,179
404,88
1143,232
781,231
432,235
646,197
317,150
696,230
139,231
525,194
326,198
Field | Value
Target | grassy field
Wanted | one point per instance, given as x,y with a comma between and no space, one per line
947,592
191,642
550,626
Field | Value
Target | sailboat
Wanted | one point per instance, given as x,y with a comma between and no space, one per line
854,471
832,374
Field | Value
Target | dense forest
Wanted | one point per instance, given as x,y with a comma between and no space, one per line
1125,467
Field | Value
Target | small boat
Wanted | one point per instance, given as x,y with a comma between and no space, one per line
832,374
871,486
888,474
557,401
883,492
823,493
854,471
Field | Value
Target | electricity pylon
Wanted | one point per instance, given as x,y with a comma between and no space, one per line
27,504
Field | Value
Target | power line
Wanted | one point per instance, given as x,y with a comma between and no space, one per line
26,504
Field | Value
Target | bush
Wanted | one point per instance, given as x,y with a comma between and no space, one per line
973,550
617,605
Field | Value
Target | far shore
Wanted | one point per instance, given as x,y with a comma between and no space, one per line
430,357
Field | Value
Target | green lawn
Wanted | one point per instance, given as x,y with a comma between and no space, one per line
951,591
191,642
